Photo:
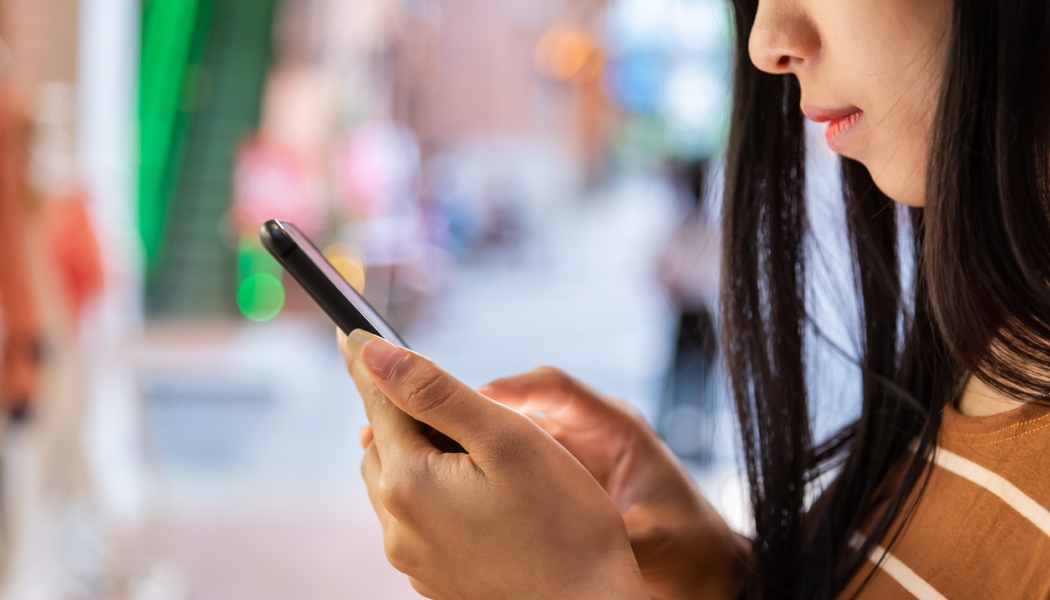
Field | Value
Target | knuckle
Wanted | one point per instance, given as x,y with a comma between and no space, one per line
388,491
398,493
421,588
549,372
553,377
628,409
430,392
397,552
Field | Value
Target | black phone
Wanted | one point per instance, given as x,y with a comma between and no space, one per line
334,294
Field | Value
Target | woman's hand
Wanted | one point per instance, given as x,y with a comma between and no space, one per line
683,547
516,517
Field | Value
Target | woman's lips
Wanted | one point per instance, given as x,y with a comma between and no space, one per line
840,121
839,128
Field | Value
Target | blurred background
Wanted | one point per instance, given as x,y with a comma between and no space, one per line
512,183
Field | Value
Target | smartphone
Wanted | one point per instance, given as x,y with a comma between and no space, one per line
334,294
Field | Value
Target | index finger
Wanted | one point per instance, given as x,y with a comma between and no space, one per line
558,396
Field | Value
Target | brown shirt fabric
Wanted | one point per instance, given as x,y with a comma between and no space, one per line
981,528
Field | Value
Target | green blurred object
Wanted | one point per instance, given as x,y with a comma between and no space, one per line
260,297
204,65
252,258
172,38
260,293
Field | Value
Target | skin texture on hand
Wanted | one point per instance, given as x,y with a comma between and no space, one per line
683,547
515,517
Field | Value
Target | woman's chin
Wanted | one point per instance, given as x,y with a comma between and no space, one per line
910,191
917,200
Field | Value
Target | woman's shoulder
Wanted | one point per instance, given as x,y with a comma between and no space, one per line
987,496
1004,453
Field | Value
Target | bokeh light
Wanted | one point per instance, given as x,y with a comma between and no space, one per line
564,53
345,260
260,297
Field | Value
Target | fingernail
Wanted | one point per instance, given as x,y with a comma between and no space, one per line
340,337
381,357
356,341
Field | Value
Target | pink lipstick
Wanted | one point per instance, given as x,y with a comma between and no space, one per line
838,128
840,122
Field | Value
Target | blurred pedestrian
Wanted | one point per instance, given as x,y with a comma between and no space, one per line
21,344
687,269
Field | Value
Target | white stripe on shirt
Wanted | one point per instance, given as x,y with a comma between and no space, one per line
996,484
892,566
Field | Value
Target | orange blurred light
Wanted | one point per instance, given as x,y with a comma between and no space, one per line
344,259
565,53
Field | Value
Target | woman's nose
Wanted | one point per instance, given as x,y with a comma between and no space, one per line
783,39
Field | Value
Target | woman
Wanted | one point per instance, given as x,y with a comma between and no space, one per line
938,489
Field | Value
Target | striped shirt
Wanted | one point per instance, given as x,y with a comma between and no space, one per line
981,528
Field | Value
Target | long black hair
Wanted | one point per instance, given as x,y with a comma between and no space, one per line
979,303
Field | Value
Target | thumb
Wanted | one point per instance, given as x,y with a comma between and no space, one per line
431,395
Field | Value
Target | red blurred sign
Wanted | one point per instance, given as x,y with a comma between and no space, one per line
273,182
